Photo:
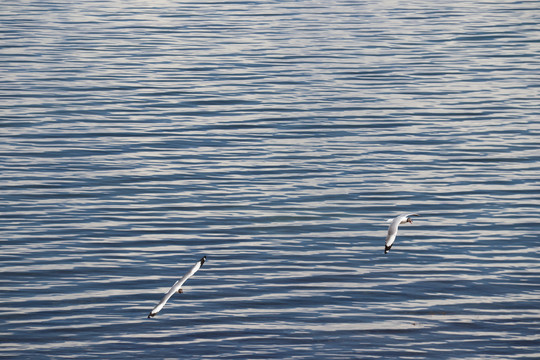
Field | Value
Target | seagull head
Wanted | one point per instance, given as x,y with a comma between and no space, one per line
409,220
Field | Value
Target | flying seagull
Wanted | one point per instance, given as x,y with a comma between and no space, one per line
392,229
177,287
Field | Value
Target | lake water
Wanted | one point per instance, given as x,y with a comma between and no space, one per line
276,138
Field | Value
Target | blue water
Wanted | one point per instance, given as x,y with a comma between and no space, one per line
276,138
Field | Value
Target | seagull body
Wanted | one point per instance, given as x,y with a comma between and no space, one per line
393,228
177,287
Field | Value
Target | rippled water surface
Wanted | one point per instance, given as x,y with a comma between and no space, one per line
276,138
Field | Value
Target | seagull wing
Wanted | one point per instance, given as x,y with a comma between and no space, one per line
177,285
409,215
392,232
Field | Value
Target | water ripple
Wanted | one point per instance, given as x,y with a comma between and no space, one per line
275,138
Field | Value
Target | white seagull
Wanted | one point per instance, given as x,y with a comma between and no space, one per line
392,229
177,287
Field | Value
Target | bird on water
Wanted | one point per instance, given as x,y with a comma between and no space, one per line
393,228
177,287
